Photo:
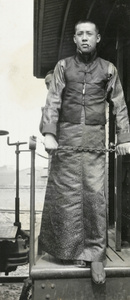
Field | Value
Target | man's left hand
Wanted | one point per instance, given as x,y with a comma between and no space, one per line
123,149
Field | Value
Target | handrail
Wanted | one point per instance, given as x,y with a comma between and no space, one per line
17,199
32,147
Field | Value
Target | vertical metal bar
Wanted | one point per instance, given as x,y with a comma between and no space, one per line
32,204
118,201
17,200
111,167
118,197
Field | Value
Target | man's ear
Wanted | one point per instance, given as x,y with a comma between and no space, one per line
74,39
98,38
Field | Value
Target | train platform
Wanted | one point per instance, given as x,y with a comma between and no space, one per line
57,281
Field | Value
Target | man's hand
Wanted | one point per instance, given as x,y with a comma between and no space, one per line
50,143
123,149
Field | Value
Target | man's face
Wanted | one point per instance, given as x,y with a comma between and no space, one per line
86,37
48,80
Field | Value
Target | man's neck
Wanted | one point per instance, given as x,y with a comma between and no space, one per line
87,57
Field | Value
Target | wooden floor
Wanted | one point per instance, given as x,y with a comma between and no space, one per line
117,258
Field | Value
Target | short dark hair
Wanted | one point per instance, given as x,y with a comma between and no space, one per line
87,21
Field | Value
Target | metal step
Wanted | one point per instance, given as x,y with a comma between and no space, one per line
8,232
53,280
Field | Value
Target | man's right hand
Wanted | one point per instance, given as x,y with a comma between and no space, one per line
50,143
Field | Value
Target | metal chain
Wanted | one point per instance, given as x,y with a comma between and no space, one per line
111,149
88,149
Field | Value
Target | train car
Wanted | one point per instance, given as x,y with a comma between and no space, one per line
53,30
48,278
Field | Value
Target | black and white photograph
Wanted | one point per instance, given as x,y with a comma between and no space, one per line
65,149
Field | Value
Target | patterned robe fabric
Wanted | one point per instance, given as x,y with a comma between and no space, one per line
73,223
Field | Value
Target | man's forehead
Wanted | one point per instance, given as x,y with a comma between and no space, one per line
86,27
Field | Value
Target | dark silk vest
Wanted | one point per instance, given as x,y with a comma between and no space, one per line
85,86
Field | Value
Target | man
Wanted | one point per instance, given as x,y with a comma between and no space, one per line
74,215
48,78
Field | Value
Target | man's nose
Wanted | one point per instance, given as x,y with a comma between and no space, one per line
85,37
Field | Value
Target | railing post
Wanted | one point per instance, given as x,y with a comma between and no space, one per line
32,147
17,199
118,201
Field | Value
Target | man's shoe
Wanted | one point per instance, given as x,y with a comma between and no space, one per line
98,272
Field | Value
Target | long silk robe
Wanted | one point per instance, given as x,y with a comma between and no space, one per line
73,223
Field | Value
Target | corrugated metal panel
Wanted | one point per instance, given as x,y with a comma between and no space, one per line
54,27
49,28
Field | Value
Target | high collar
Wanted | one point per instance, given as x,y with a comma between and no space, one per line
86,58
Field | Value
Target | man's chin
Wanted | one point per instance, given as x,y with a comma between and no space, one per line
86,51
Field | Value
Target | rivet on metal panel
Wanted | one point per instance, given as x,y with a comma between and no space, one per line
52,285
48,296
43,286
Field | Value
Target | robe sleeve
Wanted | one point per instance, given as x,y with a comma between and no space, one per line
116,95
50,113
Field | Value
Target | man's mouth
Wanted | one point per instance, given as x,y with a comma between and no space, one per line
85,46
